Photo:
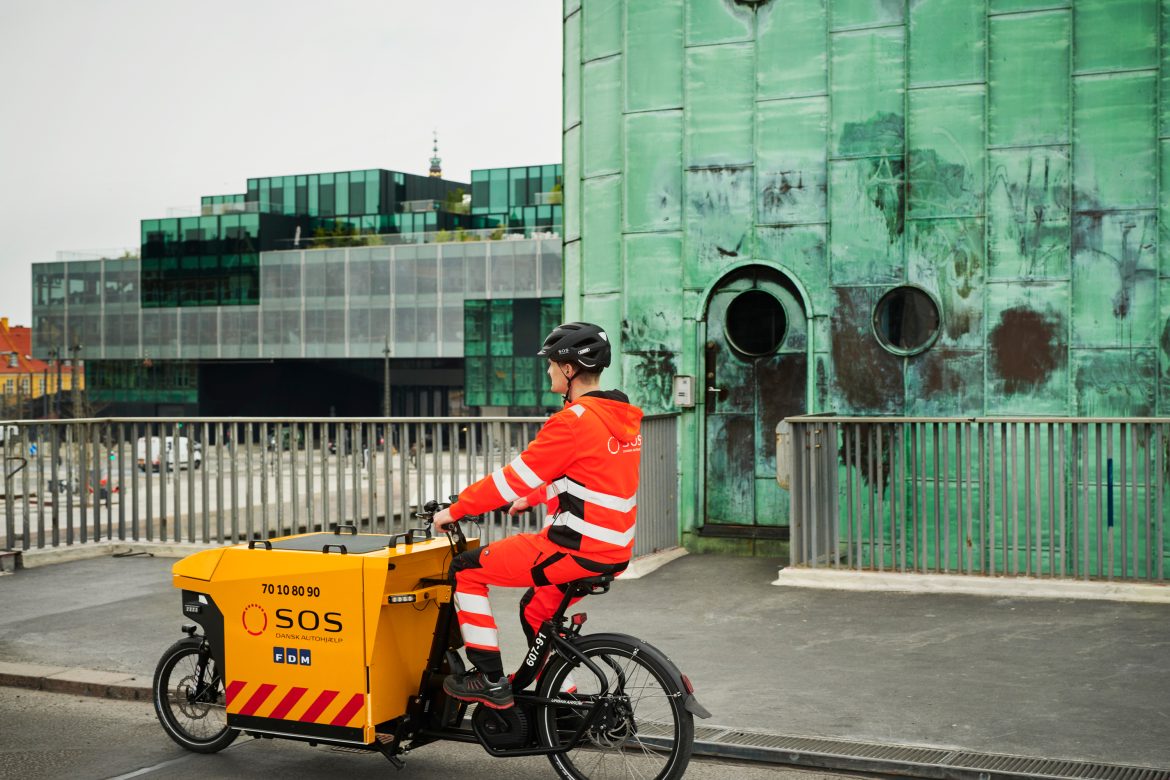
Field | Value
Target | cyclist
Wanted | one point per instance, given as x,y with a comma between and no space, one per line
583,464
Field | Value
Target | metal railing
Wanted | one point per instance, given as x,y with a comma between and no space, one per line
658,525
226,480
1064,497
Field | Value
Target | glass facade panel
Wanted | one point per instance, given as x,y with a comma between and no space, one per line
314,275
518,181
404,326
501,377
292,332
335,331
480,192
498,198
359,326
551,268
502,267
405,279
501,328
359,273
427,324
341,193
525,266
451,265
380,273
475,381
427,270
335,273
475,260
476,328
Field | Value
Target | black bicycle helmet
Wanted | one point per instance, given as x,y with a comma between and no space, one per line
582,344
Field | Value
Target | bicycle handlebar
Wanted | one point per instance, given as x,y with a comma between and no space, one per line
432,507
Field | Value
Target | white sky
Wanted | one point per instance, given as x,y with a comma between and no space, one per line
117,110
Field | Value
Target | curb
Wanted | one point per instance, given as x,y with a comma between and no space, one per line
974,585
647,564
47,556
76,681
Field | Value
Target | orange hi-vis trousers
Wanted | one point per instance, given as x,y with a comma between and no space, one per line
525,560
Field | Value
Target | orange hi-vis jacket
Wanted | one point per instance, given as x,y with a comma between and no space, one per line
586,457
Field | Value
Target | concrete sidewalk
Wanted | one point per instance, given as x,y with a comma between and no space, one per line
1053,678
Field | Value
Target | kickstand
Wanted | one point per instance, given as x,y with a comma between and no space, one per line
385,747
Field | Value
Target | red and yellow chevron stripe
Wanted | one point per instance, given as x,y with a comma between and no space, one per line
287,702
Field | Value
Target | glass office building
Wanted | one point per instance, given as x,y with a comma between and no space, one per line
525,198
317,311
212,259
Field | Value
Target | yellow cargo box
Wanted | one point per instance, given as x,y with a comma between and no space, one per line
318,635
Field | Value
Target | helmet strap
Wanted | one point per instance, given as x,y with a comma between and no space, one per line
568,386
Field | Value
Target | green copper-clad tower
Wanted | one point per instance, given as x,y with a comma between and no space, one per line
874,207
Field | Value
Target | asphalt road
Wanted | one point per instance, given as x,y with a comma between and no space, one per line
46,736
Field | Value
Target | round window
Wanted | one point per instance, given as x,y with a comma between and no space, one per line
906,321
755,323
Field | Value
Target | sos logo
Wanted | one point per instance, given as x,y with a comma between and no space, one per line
308,620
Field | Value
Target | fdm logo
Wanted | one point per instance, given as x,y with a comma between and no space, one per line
255,619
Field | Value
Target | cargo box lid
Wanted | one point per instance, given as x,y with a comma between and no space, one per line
351,543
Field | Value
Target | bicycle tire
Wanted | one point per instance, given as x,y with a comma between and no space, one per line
197,723
648,733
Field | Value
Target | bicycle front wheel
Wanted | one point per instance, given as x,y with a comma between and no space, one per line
643,729
189,698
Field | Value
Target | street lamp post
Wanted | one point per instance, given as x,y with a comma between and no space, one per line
57,396
386,378
76,390
52,405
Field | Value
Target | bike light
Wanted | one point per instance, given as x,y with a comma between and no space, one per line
579,619
401,598
687,684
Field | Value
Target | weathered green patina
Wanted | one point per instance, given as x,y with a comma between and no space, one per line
1011,158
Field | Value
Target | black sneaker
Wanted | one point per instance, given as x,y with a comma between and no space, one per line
478,688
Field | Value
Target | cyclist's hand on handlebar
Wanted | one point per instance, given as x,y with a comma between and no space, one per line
442,519
519,505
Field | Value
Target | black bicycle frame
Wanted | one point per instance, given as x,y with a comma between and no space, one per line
548,639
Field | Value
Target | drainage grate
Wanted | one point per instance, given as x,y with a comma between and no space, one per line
907,760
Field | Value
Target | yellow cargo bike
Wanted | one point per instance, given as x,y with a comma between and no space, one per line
344,639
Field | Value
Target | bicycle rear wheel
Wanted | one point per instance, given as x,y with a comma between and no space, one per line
190,701
643,730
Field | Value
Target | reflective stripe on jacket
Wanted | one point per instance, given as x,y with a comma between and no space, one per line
586,458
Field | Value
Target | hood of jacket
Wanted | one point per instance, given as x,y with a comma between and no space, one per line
613,408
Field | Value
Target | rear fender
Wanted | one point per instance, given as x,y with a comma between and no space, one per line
690,703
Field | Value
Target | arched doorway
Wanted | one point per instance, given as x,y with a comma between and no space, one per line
755,373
